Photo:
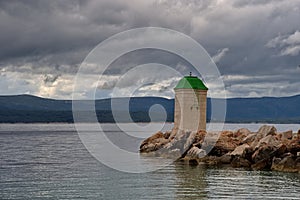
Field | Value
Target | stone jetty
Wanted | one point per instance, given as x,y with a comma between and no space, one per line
266,149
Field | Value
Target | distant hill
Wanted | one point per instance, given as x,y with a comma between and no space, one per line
30,109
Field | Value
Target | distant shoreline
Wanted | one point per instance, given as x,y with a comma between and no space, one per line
31,109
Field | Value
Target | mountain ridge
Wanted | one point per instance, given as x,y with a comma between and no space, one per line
30,109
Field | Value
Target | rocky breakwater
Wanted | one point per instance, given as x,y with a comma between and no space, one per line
265,149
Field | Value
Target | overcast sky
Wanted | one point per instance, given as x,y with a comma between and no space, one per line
255,44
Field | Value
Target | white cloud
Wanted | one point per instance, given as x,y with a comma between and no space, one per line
291,51
292,39
289,45
220,54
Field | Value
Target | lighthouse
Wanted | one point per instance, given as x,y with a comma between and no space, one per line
190,104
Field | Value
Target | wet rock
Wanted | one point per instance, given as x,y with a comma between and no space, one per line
261,165
287,164
210,160
226,158
240,162
193,162
174,153
195,152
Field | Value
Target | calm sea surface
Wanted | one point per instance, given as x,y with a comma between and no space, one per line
48,161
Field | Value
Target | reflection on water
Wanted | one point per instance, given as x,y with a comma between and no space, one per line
191,182
54,164
199,182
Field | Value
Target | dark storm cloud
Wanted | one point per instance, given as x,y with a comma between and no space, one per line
247,38
50,78
48,33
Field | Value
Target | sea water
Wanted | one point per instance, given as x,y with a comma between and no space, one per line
49,161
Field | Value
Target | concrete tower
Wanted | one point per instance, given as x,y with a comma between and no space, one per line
190,104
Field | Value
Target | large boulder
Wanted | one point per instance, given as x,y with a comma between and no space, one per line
269,140
224,144
265,149
286,164
264,152
266,130
293,145
240,156
241,151
242,133
254,138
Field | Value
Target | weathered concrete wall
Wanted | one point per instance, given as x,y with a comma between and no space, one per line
190,109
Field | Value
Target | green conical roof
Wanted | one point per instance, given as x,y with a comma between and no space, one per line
191,82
